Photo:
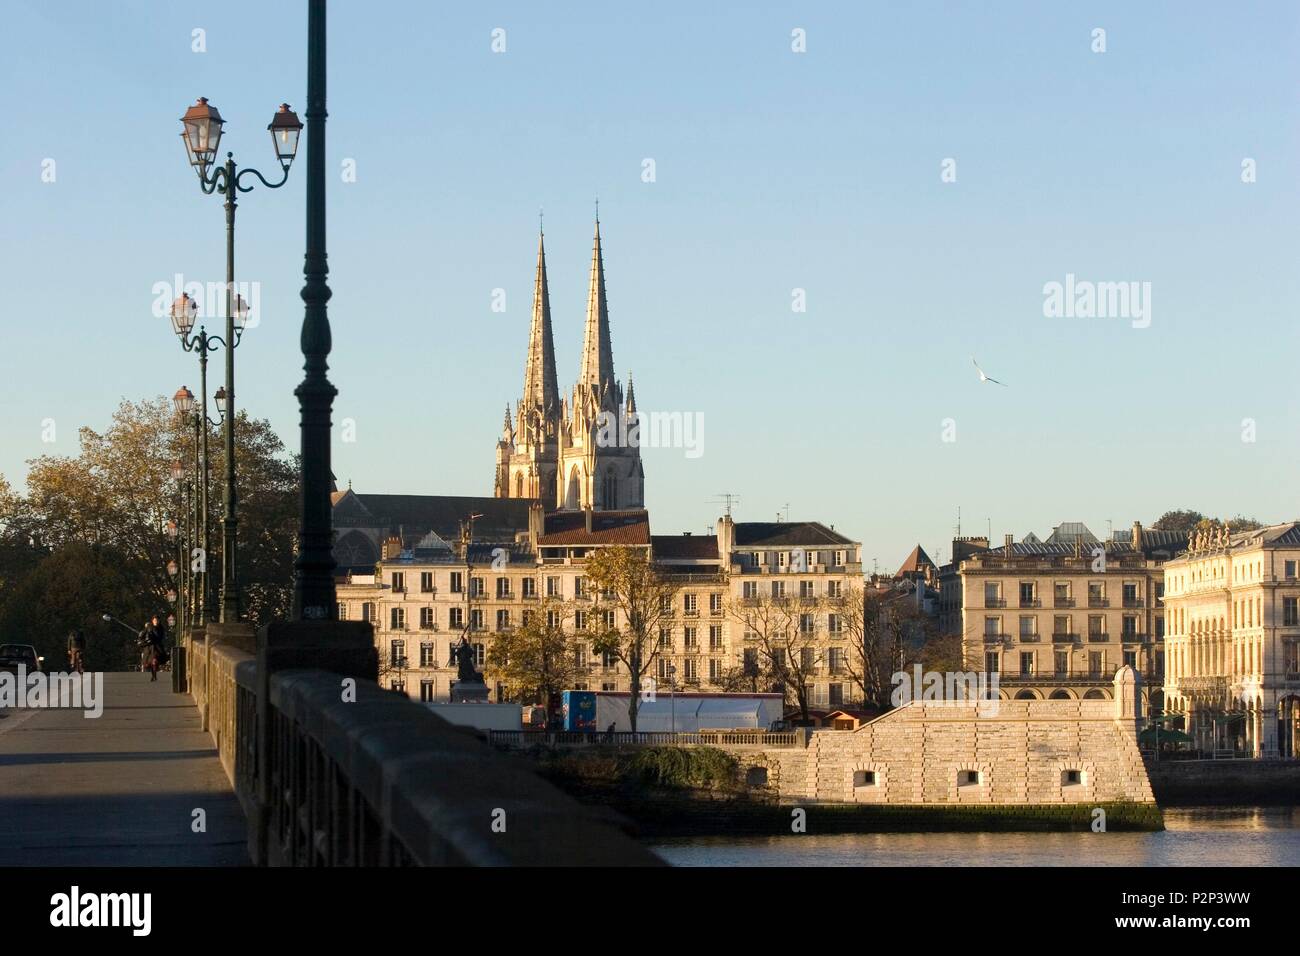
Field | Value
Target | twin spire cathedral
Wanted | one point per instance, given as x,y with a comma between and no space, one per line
571,454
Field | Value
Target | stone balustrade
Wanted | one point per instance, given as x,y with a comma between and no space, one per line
363,777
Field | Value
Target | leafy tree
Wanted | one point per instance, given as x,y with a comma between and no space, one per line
536,660
1178,521
108,507
645,595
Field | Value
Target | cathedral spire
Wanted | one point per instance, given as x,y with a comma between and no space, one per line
597,354
541,391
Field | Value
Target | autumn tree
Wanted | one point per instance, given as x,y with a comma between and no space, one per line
536,660
108,506
629,583
1182,520
782,630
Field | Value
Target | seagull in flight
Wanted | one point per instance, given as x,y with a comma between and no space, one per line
983,377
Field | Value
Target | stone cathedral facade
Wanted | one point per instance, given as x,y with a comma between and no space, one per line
579,452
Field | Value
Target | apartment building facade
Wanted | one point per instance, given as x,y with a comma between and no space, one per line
1056,619
1233,603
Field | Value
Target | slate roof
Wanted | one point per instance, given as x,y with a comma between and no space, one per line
417,515
685,547
781,534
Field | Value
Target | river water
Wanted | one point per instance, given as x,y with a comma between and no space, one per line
1219,836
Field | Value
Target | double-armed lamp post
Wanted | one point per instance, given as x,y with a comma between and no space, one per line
202,125
187,412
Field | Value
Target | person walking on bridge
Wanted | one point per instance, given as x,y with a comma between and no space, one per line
76,651
153,647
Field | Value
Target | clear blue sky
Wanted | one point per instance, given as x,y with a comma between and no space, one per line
775,170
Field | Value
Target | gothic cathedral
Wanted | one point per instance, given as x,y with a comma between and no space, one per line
577,454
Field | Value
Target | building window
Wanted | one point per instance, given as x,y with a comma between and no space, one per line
503,589
1027,664
426,655
1061,663
553,587
579,620
837,695
806,590
1071,778
715,670
692,669
456,618
715,603
835,657
992,626
834,625
530,588
665,638
1290,611
397,619
579,587
1061,594
864,778
1130,626
476,619
992,594
778,590
1289,569
1094,664
807,624
839,559
397,653
343,611
1131,659
609,660
399,582
1096,627
1028,626
833,589
368,612
457,582
968,778
1027,594
692,640
426,691
1096,594
426,619
503,619
426,582
715,637
749,590
690,604
1061,624
991,662
476,588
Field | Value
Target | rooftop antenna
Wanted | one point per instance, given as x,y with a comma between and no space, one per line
540,227
1110,530
728,499
787,513
990,531
959,521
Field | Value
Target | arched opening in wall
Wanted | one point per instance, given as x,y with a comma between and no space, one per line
1026,695
756,777
519,484
574,494
1060,695
548,488
1096,694
969,778
1072,778
863,778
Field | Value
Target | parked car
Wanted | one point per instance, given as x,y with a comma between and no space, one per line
11,655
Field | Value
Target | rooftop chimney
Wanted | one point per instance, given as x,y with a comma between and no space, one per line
1137,535
1006,543
586,517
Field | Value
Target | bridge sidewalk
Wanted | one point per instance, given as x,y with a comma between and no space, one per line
117,790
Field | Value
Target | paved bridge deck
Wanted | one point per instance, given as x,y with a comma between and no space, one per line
117,790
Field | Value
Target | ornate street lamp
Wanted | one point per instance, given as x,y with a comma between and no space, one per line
201,131
183,313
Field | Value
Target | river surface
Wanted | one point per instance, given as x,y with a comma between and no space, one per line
1218,836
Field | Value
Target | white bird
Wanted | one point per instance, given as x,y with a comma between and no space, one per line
983,377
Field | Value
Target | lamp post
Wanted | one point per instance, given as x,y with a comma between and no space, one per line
185,406
202,125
